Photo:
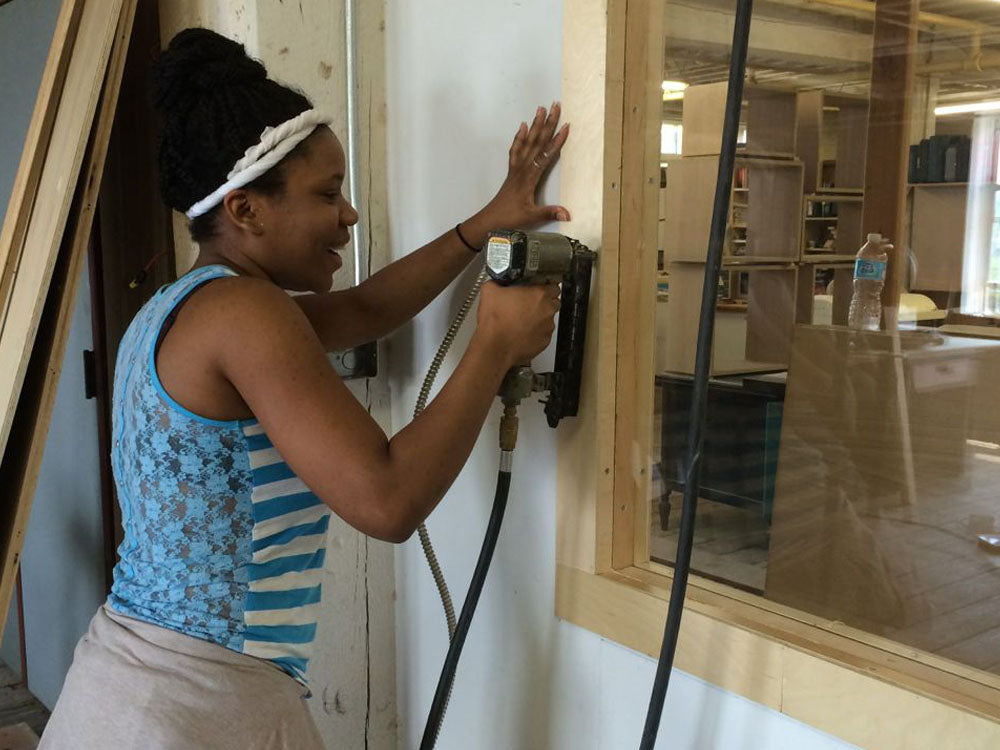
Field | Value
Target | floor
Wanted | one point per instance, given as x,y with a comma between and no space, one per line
18,705
730,544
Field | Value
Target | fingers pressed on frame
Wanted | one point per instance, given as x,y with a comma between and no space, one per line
556,144
550,124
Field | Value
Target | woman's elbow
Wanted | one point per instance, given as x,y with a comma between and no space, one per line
392,521
388,512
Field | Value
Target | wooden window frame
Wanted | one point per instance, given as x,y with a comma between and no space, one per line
865,689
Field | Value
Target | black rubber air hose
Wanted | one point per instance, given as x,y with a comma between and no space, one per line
702,370
447,677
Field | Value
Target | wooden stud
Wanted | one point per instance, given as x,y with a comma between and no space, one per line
637,275
100,46
36,143
51,207
593,54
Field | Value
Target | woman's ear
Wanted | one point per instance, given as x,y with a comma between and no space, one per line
240,211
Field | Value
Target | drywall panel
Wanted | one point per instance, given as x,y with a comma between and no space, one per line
460,79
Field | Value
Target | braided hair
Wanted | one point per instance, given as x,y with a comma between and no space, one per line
214,101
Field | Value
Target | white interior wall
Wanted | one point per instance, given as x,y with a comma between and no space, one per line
460,78
62,563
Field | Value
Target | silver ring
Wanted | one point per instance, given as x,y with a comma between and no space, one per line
533,161
545,155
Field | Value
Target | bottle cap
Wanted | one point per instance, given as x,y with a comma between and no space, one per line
874,237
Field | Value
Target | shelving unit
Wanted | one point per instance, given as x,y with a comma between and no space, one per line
831,133
769,116
763,241
764,221
843,287
736,349
842,229
937,234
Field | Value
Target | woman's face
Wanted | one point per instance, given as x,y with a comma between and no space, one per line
304,228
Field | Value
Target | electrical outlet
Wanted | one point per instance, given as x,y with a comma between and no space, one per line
356,363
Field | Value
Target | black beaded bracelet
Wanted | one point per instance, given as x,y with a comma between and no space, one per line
465,242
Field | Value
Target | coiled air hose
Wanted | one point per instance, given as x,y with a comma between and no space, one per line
702,370
425,390
440,706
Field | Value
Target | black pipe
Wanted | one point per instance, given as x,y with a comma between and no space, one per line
468,610
702,369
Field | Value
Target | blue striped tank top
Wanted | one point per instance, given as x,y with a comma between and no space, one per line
222,540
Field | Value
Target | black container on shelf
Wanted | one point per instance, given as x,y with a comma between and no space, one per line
940,158
935,157
918,166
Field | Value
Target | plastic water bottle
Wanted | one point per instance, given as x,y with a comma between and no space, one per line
869,278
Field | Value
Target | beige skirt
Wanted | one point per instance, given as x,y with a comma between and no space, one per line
137,685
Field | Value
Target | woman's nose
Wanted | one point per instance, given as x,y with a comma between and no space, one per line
351,216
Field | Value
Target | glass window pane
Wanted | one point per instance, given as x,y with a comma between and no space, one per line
851,459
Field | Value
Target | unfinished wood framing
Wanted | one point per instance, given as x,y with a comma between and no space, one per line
594,49
67,194
36,142
858,686
63,159
637,265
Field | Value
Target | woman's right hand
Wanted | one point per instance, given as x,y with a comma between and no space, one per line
519,320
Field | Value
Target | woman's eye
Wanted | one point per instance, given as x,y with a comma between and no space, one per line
332,197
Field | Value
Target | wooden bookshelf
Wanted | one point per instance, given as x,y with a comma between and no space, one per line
752,334
937,234
831,133
764,224
769,116
845,224
763,240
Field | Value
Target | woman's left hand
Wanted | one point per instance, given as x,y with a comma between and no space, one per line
534,150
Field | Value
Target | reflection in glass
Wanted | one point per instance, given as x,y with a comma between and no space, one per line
854,475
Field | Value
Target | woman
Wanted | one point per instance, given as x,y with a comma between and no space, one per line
234,438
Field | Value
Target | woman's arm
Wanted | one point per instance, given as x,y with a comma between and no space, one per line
382,487
399,291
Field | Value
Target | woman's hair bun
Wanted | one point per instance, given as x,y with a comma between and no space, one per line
215,101
199,61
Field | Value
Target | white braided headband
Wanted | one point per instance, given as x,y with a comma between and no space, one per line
274,145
